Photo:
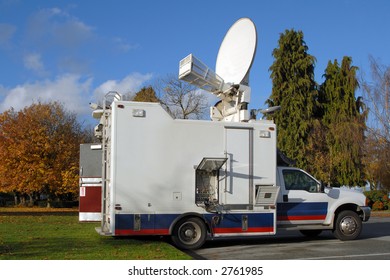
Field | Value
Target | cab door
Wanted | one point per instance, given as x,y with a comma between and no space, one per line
302,200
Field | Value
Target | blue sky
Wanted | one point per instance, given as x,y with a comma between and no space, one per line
75,51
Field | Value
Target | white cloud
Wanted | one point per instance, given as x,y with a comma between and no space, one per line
129,84
73,91
68,89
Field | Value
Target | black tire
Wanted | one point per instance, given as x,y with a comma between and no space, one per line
311,232
348,225
189,233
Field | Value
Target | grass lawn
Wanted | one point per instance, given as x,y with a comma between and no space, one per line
59,236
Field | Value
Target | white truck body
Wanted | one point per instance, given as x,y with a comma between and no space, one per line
193,179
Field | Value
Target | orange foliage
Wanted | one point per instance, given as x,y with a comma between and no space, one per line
39,148
378,205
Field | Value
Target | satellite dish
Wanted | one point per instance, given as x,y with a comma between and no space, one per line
230,81
237,51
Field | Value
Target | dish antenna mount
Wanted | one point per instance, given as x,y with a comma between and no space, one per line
230,81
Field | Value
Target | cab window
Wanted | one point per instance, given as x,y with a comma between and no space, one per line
297,180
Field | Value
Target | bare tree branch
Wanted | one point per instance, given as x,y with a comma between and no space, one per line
180,99
376,92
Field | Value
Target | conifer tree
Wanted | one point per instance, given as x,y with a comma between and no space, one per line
294,89
343,123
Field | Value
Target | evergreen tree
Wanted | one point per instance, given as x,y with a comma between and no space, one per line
294,89
322,131
343,124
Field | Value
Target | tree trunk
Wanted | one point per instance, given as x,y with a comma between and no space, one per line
31,200
22,200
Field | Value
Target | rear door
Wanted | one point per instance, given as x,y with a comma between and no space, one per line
238,190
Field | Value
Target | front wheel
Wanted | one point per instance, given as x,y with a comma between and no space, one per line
348,225
189,233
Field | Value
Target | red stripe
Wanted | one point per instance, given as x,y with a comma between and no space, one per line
301,218
142,232
166,231
240,230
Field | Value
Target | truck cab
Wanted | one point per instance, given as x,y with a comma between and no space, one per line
304,203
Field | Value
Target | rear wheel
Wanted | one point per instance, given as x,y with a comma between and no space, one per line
189,233
348,225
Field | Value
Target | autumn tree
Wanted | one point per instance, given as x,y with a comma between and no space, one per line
180,99
146,94
294,89
376,92
40,150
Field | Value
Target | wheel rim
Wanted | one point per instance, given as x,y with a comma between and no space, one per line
189,233
348,225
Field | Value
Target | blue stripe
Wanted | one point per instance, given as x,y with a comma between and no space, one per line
302,208
235,220
148,221
164,221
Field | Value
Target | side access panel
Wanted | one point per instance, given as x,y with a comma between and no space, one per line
242,224
143,224
260,221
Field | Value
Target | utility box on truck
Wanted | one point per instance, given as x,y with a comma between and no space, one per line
90,182
176,177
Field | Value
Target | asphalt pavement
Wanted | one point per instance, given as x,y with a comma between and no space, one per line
373,244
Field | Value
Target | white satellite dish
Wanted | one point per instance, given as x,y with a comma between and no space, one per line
230,81
237,52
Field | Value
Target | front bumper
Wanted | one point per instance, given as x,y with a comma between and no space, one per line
366,213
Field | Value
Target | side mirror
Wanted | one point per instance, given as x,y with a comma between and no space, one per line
321,187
